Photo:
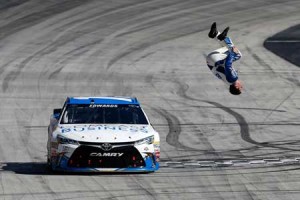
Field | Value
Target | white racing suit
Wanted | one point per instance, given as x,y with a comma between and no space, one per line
220,61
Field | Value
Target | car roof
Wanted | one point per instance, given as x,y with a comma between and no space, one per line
103,100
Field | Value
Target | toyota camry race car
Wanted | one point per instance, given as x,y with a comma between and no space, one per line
102,134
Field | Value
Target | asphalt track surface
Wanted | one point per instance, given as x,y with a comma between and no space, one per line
214,145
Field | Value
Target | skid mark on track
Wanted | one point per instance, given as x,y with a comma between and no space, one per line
39,16
70,56
181,91
177,30
172,137
174,129
153,23
12,3
244,127
241,121
147,189
30,21
136,48
271,71
260,61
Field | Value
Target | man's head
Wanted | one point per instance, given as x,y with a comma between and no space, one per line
236,88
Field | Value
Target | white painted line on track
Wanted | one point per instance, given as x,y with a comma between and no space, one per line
257,162
290,161
282,41
230,163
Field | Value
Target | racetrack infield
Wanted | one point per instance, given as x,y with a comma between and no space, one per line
286,44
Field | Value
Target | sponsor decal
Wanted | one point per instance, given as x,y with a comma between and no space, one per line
103,106
94,154
84,128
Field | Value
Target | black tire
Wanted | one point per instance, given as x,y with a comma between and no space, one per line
49,167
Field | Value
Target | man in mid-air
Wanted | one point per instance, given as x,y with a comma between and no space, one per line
220,60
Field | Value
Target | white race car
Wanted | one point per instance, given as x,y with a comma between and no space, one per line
102,134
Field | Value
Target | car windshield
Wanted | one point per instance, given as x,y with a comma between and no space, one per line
103,114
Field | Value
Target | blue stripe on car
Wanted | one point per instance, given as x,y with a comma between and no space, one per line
105,100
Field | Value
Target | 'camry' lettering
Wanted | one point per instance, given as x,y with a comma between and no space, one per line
106,154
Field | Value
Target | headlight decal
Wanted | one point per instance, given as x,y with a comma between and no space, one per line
63,140
147,140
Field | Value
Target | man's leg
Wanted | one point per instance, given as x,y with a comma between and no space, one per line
220,37
236,54
224,40
214,33
227,42
223,35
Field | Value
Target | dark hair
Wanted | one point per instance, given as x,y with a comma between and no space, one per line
233,90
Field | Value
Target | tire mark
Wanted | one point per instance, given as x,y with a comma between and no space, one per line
111,195
260,61
174,132
60,41
148,44
172,13
107,15
147,189
263,63
244,127
25,134
12,75
37,55
45,184
174,129
70,55
181,91
46,50
7,4
188,25
39,16
243,124
276,107
185,30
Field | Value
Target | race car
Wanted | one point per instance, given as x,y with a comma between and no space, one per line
102,134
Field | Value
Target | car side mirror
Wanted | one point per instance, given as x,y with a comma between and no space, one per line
56,112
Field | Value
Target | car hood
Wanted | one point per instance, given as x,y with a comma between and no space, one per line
105,133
